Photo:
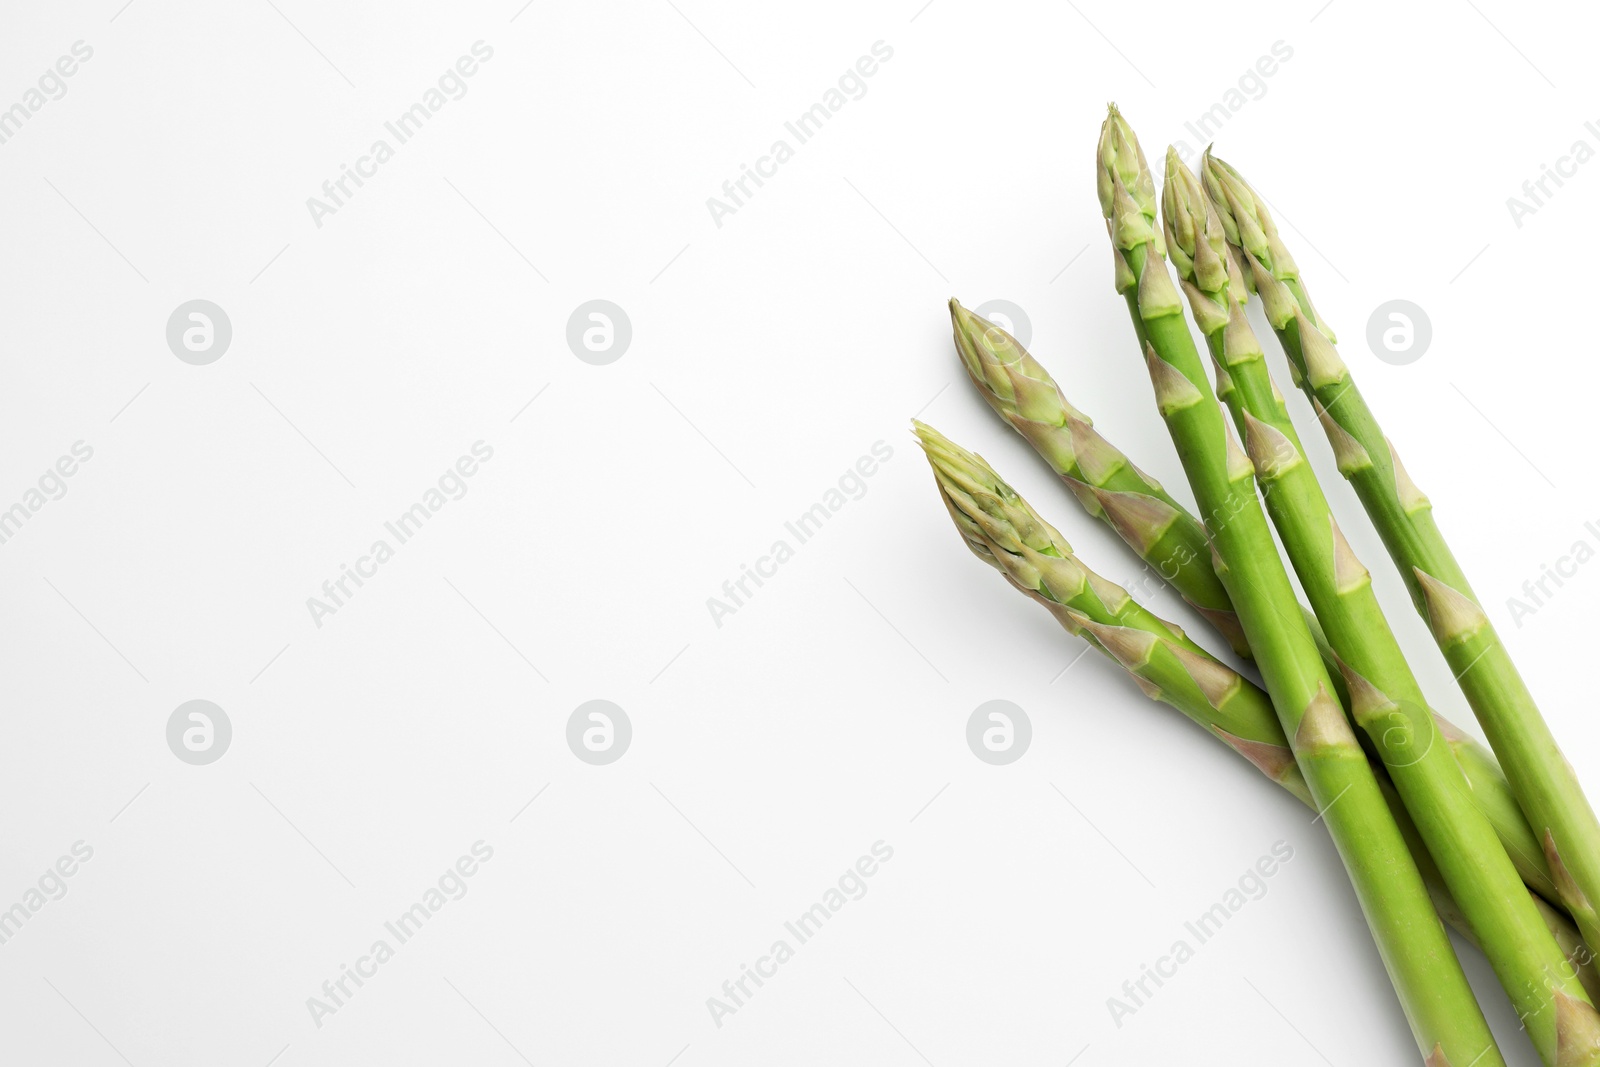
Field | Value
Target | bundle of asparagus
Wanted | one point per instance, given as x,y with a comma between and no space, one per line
1426,822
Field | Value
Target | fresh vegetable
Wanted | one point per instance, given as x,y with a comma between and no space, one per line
1540,776
1445,1018
1385,698
1004,531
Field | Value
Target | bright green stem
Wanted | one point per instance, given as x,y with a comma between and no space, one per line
1494,798
1385,698
1541,779
1433,991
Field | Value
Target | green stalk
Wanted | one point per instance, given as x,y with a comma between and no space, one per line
1004,531
1386,700
1445,1018
1141,513
1541,779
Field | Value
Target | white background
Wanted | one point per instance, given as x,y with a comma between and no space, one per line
768,354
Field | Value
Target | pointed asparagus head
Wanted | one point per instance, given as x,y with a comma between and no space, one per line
1126,188
999,525
1003,515
1250,227
1196,239
1011,380
1235,203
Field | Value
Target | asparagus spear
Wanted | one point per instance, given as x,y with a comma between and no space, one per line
1541,778
1250,228
1386,700
1177,549
1444,1017
1004,531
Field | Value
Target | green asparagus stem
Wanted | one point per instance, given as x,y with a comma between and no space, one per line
1004,531
1178,552
1386,700
1542,780
1444,1016
1579,959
